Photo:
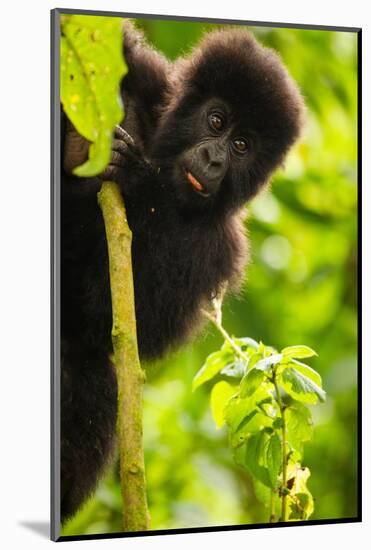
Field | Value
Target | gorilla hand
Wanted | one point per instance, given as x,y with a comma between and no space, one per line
126,155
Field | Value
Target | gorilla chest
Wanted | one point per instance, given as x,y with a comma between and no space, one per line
183,259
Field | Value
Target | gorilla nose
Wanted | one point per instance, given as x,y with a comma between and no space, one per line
212,160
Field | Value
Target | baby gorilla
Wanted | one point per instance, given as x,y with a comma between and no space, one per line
200,138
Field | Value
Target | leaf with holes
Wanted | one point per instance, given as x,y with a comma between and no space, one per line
300,500
92,67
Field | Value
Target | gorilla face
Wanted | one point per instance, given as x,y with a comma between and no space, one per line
207,151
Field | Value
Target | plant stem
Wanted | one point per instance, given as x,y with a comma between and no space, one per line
225,335
130,375
272,516
284,454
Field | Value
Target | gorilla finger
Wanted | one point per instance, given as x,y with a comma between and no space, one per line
121,147
110,172
118,159
122,134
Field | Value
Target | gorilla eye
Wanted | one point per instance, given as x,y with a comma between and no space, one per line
240,145
216,122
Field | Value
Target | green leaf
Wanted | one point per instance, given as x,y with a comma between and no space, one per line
299,426
237,369
298,352
268,350
261,348
92,67
262,492
243,419
263,457
212,366
239,455
300,387
300,500
251,381
246,416
307,371
277,424
246,343
255,457
220,394
274,459
270,499
268,407
266,363
239,408
254,358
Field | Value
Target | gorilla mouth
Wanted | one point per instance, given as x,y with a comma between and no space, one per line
197,186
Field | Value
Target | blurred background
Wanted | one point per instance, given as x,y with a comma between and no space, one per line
300,288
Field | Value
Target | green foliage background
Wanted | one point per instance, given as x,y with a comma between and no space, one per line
300,288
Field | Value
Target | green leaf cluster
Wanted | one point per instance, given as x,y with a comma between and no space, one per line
262,397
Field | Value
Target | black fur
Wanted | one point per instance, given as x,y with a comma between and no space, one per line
185,246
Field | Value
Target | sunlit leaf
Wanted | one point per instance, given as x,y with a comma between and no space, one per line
246,416
300,500
307,371
254,358
298,352
214,363
263,457
300,387
245,343
236,369
92,67
255,457
299,425
220,394
268,406
274,458
266,363
251,381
